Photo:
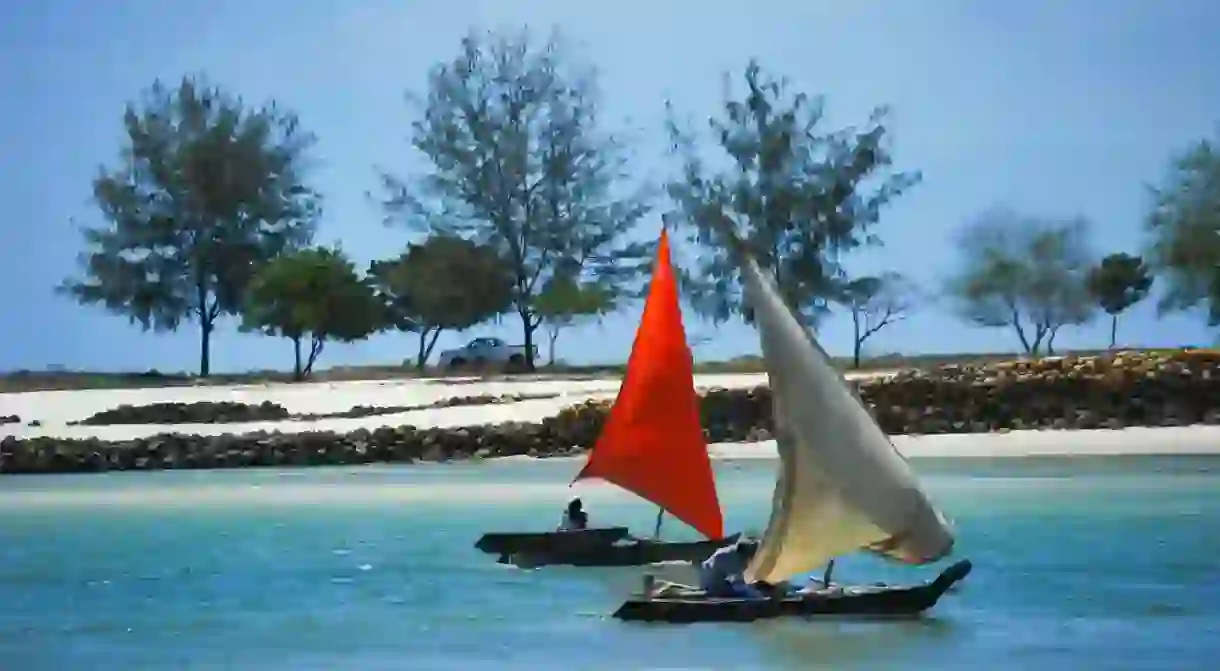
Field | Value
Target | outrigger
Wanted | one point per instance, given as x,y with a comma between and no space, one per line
652,445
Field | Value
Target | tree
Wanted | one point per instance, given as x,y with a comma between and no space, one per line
520,163
795,192
1117,283
206,190
310,294
1185,228
564,302
1023,272
445,282
875,302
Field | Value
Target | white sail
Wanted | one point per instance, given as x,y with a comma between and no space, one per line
842,487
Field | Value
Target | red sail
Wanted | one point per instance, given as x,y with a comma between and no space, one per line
653,443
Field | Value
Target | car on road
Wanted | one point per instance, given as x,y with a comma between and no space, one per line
482,353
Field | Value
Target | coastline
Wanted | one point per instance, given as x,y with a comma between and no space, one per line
53,410
365,484
1135,441
1199,440
1047,407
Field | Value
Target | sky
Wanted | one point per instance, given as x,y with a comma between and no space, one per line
1052,107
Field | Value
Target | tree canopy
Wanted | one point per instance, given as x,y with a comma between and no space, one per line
1185,227
313,294
443,283
564,301
521,163
799,195
1117,283
529,201
1025,273
206,189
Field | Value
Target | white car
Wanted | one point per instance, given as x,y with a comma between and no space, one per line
483,352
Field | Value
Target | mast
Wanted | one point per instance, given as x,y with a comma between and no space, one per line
653,444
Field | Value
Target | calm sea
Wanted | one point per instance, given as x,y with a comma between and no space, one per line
1079,564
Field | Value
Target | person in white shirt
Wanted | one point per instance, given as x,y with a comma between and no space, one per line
574,518
723,574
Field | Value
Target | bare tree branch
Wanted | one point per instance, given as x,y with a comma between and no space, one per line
875,303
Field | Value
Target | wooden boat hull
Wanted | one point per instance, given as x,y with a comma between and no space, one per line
633,553
867,601
549,541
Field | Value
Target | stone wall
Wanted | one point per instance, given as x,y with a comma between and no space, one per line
1125,389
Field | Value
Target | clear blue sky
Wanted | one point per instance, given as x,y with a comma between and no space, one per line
1051,106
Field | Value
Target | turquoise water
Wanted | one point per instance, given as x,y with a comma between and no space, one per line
1079,564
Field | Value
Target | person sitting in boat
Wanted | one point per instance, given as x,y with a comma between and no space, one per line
723,574
574,518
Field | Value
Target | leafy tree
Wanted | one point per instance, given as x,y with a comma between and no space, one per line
1117,283
206,190
1025,273
446,282
564,302
520,163
312,295
795,192
874,303
1185,228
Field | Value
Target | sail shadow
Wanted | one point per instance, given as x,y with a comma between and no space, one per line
849,643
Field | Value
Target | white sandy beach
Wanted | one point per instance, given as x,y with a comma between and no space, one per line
1183,440
54,409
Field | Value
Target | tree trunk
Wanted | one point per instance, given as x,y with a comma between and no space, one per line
296,358
1113,330
857,342
207,319
205,346
315,350
421,356
527,329
427,341
1016,325
426,344
1035,346
553,332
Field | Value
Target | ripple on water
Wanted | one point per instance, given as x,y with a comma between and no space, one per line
1102,568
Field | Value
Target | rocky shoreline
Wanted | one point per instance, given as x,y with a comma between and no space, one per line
230,412
1114,391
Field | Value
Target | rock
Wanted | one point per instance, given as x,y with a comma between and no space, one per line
436,453
1123,389
202,412
456,401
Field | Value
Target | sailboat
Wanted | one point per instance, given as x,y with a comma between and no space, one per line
652,445
842,487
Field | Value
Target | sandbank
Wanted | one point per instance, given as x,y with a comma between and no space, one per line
53,410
